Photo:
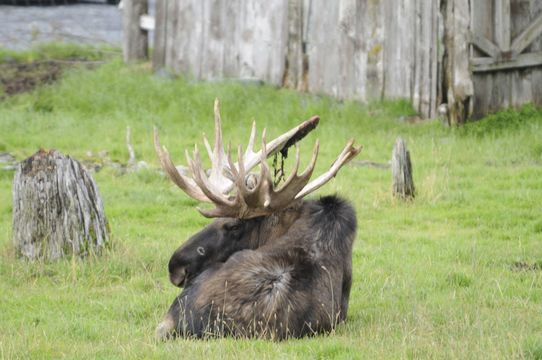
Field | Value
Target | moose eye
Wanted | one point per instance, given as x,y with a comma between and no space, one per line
200,250
233,227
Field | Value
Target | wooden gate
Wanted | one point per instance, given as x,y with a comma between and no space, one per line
506,53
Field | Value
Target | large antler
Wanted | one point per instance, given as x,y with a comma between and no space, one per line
237,193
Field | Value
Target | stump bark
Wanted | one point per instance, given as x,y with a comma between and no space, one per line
401,169
57,209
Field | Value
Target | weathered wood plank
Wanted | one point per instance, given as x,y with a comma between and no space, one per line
232,37
171,44
293,71
520,86
536,87
211,66
420,57
336,49
135,43
429,87
482,83
159,51
475,61
269,21
433,81
521,61
399,51
523,40
485,45
482,23
374,40
536,10
241,39
440,52
536,73
502,24
458,79
188,39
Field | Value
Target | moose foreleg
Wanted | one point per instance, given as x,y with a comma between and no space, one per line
166,328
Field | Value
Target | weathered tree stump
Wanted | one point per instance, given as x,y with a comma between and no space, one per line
401,170
57,209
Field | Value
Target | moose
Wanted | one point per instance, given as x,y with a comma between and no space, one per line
271,265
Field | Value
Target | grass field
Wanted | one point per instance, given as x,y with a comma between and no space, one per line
456,273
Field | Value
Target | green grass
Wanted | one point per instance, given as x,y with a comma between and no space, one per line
59,51
433,278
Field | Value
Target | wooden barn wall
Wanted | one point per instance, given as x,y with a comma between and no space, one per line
214,39
350,49
494,91
411,61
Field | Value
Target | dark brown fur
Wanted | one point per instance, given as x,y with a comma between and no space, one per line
286,275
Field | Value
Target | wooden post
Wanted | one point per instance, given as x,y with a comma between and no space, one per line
57,209
401,170
457,74
293,69
160,33
135,43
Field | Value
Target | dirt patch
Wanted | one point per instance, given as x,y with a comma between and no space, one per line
17,77
525,266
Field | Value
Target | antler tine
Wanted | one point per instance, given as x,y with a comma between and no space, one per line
207,146
235,207
310,168
218,156
186,184
348,153
293,173
287,193
204,184
188,159
231,171
250,147
219,147
265,183
240,163
264,147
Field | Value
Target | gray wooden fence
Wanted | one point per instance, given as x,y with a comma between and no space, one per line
431,52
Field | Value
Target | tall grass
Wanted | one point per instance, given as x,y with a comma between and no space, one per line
450,275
